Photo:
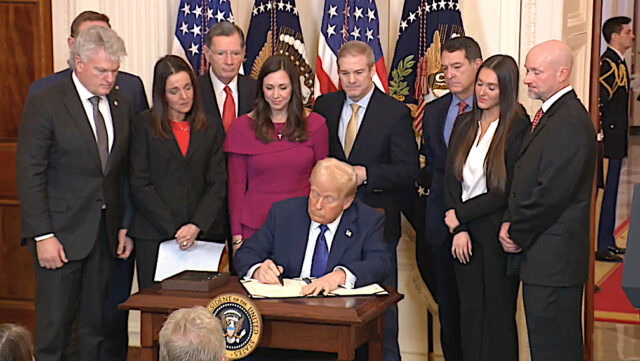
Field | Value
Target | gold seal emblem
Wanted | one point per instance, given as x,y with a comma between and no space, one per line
241,323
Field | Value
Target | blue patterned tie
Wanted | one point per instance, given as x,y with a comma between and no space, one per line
320,254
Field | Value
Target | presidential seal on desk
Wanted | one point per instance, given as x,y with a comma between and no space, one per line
241,323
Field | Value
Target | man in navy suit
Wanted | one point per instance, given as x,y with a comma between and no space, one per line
116,342
327,235
461,58
128,84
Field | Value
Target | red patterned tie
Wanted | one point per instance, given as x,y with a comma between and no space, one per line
536,119
229,109
461,106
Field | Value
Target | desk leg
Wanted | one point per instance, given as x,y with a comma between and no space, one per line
375,342
147,352
347,337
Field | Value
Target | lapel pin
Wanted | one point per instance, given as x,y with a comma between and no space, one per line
348,233
117,87
115,103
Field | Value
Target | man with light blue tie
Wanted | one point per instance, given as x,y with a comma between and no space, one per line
461,58
327,236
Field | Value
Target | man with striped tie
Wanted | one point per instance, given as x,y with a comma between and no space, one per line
328,235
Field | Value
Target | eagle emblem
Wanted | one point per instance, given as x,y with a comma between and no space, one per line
232,322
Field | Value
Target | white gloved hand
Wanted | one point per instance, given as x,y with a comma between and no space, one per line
635,82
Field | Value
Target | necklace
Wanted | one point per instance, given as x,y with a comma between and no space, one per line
183,126
278,128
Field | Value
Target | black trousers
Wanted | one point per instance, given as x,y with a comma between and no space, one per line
76,291
437,270
146,259
554,322
488,299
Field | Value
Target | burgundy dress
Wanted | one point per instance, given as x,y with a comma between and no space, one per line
260,174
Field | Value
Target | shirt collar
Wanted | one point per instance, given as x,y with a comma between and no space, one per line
83,92
218,85
333,226
617,52
455,100
365,99
549,102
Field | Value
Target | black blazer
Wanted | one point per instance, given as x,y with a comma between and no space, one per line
61,185
551,196
357,244
385,145
246,95
614,104
434,149
485,204
169,190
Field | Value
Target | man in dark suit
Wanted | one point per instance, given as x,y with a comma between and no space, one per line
548,218
128,84
116,343
225,94
343,236
372,131
614,120
71,165
461,57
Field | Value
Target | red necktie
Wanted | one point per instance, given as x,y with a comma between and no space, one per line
461,106
228,110
536,119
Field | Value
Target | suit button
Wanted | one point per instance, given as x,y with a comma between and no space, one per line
611,126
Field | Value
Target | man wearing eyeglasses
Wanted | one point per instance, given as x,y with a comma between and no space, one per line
226,94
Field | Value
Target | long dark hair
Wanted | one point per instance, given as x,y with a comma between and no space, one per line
296,125
164,68
506,70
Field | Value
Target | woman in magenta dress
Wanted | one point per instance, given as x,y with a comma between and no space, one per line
271,150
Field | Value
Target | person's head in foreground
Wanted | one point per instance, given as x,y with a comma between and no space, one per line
15,343
192,334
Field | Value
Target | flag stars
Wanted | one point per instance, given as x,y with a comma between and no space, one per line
442,4
369,34
268,5
255,11
220,16
194,49
186,11
412,17
451,4
403,25
371,15
355,33
209,14
288,6
195,30
261,7
331,30
197,11
184,28
357,13
332,11
281,5
230,18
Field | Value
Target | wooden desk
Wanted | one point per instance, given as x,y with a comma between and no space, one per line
331,324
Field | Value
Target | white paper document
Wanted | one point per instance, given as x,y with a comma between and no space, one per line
202,256
293,287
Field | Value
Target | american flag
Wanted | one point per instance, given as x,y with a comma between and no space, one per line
416,75
275,29
346,20
195,17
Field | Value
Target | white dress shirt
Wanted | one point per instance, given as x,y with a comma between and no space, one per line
474,180
221,96
345,115
547,104
314,231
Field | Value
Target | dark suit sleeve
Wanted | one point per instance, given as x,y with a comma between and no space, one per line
557,181
258,247
140,103
404,165
146,200
375,264
212,203
35,143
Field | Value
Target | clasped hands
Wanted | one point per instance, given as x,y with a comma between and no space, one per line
268,273
186,235
461,247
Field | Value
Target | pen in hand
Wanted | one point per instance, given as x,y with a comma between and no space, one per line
281,278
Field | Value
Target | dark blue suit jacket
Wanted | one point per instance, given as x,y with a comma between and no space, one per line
357,244
128,84
435,151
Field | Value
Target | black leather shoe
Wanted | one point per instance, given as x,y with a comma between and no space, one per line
617,250
607,256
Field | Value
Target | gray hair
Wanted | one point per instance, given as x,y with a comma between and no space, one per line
338,170
94,38
192,334
224,28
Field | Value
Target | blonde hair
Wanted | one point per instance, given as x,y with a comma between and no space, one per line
15,343
340,171
192,334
